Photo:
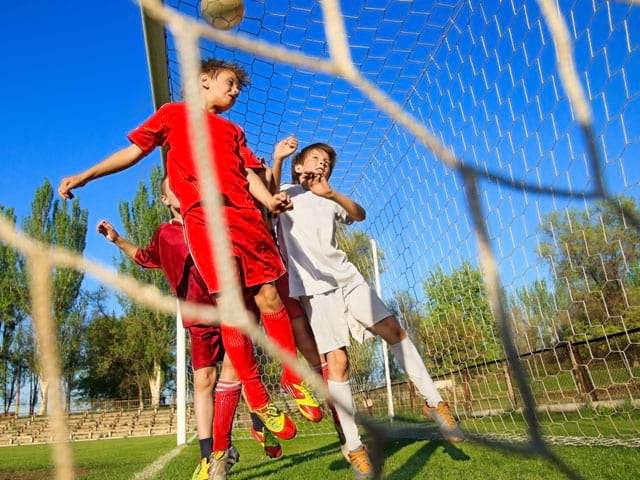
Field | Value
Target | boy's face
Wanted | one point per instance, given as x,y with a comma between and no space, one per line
169,198
316,161
222,90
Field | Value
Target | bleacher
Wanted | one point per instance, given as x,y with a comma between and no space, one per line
92,425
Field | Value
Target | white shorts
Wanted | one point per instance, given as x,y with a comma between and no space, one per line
349,310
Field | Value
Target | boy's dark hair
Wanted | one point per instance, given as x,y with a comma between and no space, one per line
299,158
211,66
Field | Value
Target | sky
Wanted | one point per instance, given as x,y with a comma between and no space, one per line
75,87
75,80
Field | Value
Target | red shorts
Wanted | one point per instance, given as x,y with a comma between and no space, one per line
258,257
294,309
206,346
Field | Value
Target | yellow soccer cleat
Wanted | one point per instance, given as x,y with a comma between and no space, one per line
277,422
202,470
305,399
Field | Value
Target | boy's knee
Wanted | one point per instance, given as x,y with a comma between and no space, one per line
204,378
267,298
338,362
390,330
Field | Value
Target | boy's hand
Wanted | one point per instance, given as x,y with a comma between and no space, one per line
280,203
106,229
317,183
285,147
69,183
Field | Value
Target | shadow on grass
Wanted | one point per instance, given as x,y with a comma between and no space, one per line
383,443
294,459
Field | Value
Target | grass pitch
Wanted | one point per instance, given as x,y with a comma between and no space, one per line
310,458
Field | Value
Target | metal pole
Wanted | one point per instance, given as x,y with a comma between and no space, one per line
385,351
181,383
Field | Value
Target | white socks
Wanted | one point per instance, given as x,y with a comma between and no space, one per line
407,355
343,402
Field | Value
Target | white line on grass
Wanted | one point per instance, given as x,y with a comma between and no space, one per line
158,465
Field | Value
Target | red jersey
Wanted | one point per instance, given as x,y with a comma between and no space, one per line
169,127
168,251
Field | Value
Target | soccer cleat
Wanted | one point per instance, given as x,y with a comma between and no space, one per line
360,463
306,401
267,441
221,462
202,470
277,422
441,414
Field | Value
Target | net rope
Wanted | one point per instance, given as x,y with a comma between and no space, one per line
187,33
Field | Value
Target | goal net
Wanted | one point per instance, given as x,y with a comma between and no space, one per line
493,145
481,77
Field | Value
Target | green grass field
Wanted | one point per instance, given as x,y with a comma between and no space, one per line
309,458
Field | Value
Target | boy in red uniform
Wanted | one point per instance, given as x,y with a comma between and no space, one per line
253,247
168,251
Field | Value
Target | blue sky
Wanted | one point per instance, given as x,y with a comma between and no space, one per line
75,82
75,87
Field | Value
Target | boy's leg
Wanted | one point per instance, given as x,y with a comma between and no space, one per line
203,381
411,362
278,326
227,396
340,390
205,352
239,348
408,358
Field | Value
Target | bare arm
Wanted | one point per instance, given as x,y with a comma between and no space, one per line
319,185
111,234
277,203
281,151
120,160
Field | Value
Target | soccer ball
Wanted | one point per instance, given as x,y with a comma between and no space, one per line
222,14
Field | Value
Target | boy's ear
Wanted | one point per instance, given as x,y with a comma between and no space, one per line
298,168
204,80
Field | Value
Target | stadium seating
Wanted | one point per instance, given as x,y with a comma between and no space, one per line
92,425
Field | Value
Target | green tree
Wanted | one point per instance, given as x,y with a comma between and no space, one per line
150,335
460,329
12,296
111,369
594,255
538,316
357,245
54,222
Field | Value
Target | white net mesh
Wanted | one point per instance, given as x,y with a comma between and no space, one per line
483,77
548,182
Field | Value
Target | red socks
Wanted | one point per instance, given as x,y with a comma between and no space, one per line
278,327
226,400
239,348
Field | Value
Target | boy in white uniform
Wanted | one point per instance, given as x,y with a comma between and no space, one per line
338,301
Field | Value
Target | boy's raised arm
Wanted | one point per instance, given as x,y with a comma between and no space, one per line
319,185
106,229
282,150
120,160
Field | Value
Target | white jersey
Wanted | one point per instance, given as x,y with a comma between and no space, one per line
307,236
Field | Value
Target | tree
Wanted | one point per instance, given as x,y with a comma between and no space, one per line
53,222
538,316
357,245
12,296
150,335
594,255
460,329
